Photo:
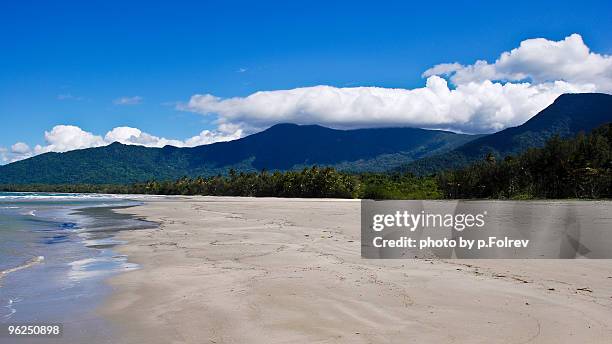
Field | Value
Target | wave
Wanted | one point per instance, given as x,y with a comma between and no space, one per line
11,308
70,196
29,263
56,196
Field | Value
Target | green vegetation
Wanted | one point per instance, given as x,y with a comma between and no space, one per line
580,167
398,186
309,182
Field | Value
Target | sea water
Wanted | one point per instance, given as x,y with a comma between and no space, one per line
55,252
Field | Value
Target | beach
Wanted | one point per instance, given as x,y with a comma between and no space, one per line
268,270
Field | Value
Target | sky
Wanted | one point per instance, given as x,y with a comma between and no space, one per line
87,73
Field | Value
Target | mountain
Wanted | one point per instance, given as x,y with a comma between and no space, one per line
290,146
281,147
568,115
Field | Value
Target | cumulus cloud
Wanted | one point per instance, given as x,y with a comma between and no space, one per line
18,151
64,138
479,98
538,60
223,133
20,148
134,136
135,100
474,107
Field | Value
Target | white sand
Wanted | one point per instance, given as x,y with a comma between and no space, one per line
239,270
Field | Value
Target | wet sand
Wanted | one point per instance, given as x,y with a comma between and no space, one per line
240,270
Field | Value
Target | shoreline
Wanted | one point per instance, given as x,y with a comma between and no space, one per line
61,252
224,269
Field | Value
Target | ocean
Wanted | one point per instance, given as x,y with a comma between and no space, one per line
56,250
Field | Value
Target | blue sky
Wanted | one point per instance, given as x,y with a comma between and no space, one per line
70,63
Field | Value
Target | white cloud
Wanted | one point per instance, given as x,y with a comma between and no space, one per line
20,148
64,138
135,100
473,107
4,158
18,151
61,138
538,60
481,98
207,137
134,136
68,96
442,69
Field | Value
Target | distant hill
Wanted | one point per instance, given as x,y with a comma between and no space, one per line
281,147
568,115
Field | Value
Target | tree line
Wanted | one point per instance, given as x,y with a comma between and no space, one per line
579,167
309,182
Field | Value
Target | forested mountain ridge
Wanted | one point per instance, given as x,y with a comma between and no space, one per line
568,115
281,147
